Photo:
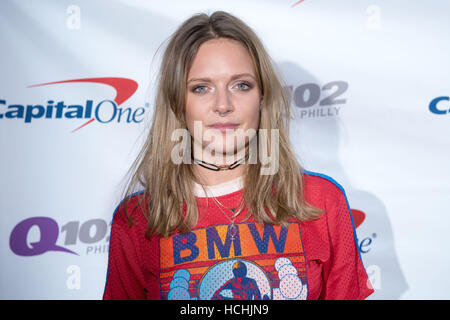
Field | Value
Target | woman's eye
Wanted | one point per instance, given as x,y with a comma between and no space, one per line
199,89
243,86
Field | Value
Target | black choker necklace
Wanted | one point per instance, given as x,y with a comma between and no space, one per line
214,167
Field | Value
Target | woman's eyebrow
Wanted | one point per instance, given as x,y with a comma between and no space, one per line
232,77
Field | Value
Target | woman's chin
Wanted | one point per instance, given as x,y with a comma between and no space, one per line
228,154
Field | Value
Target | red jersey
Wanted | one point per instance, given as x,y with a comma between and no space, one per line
307,260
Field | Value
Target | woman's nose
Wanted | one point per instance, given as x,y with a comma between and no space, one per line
223,102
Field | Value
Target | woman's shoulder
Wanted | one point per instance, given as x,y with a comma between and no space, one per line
133,206
320,188
324,192
320,181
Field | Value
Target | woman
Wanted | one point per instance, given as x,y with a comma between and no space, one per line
225,210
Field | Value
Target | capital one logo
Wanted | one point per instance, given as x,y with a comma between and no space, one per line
104,111
440,105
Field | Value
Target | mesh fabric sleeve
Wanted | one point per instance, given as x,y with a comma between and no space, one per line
125,277
344,274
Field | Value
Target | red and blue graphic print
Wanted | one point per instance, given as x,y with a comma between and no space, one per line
261,262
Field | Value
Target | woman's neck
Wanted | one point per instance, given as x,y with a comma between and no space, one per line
209,177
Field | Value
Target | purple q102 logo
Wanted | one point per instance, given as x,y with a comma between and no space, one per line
49,231
90,232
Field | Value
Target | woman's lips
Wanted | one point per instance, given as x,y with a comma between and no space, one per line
224,126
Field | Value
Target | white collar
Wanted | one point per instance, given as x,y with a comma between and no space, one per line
219,189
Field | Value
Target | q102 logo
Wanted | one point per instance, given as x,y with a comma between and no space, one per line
90,233
328,97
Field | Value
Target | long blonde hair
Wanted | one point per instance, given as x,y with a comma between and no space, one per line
167,187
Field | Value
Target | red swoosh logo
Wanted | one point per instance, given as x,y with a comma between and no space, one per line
358,217
298,2
124,87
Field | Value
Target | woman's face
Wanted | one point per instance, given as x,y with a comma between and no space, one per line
222,92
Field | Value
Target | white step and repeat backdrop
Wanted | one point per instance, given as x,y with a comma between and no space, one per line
372,110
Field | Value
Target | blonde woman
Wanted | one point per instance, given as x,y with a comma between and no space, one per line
218,206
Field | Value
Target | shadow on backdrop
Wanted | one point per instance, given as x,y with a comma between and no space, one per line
315,134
